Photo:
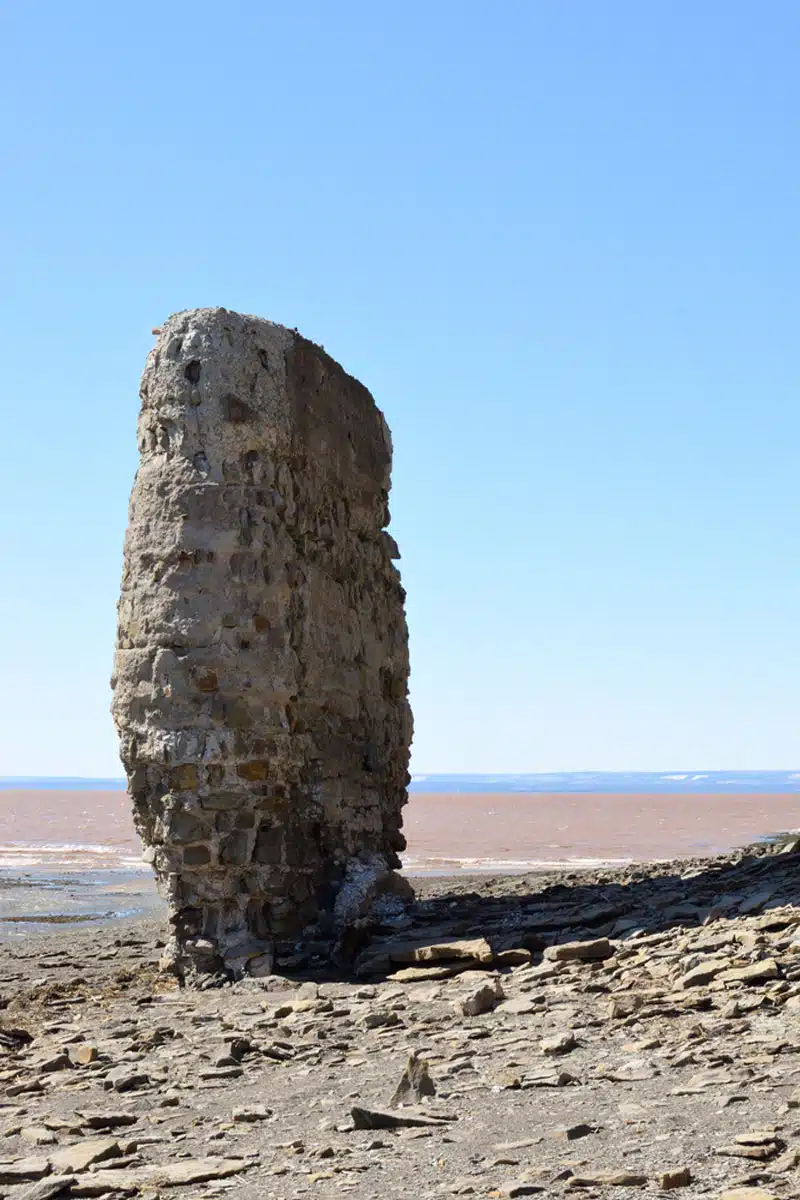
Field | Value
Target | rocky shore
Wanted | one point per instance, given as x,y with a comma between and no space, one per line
597,1032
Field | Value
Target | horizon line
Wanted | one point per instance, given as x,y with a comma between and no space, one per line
422,774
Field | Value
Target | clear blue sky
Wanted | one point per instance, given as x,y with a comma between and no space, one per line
561,245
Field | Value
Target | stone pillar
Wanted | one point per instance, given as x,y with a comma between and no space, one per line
261,669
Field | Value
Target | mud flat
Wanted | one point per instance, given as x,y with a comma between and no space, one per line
634,1028
487,829
462,828
68,856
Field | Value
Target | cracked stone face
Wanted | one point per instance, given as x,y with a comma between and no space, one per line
261,668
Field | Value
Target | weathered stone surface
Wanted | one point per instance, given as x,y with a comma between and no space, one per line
202,1170
760,972
701,974
520,1006
473,949
84,1154
14,1039
580,951
260,682
46,1189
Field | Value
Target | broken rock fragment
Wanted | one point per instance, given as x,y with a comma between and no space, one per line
481,999
678,1178
593,951
84,1154
23,1169
374,1118
415,1082
608,1179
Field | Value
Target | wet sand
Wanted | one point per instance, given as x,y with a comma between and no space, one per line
500,828
67,859
513,829
67,829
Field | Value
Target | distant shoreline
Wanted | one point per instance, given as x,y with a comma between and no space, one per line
579,782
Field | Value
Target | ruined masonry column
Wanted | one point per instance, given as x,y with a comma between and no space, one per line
261,670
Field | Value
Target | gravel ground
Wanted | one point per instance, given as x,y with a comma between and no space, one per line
598,1032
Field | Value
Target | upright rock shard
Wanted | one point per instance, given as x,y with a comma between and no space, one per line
261,669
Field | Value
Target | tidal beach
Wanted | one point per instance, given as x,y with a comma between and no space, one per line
73,856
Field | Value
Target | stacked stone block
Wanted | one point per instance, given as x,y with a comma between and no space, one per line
261,669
